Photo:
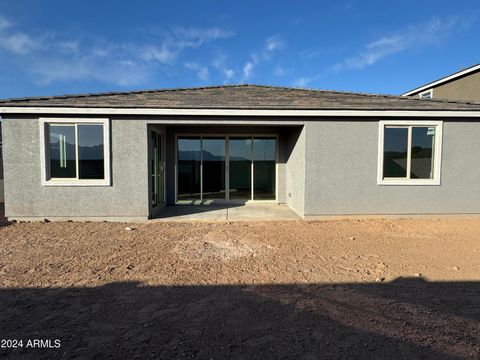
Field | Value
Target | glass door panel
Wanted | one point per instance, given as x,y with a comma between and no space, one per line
188,179
264,155
213,168
240,168
154,165
157,178
161,170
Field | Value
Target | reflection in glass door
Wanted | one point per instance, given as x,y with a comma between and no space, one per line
189,171
213,168
157,178
240,168
264,168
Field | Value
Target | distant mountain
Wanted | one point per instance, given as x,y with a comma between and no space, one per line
207,156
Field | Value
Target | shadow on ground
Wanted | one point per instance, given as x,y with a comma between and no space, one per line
173,211
404,319
212,212
3,219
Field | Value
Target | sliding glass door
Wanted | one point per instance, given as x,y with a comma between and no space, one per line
226,168
264,155
240,164
213,168
157,169
189,160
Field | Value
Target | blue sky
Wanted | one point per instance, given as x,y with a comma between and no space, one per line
58,47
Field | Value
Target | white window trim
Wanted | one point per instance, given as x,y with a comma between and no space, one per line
429,91
45,167
437,154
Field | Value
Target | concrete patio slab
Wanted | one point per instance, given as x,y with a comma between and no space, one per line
223,212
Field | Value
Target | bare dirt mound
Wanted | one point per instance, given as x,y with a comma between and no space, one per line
219,246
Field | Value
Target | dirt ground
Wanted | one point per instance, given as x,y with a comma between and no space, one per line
363,289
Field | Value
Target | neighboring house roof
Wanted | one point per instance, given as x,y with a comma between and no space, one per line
242,97
454,76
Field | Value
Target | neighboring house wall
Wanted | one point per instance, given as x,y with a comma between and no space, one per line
341,172
25,197
466,88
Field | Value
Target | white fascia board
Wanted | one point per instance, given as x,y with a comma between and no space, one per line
442,80
237,112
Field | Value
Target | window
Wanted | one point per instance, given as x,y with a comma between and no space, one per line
426,94
409,152
75,152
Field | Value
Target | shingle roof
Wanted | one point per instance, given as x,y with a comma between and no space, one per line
240,97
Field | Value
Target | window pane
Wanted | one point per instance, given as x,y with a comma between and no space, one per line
62,151
240,158
264,169
213,168
90,152
423,140
189,169
395,153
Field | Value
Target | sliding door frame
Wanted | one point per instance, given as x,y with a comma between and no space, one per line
226,137
162,162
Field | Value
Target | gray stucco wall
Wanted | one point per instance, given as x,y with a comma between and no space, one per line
341,172
128,196
26,197
325,168
295,170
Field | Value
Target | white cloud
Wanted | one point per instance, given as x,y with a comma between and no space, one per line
431,33
159,54
57,57
19,43
303,81
195,37
177,40
272,44
309,54
123,73
220,63
202,71
4,23
16,42
229,73
248,69
68,46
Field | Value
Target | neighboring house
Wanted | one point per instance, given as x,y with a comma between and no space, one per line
463,85
125,155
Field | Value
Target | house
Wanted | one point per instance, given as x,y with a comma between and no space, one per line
462,85
124,155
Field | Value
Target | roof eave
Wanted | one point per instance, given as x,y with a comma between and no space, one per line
240,112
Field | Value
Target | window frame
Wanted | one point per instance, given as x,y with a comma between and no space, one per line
46,179
437,153
429,91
